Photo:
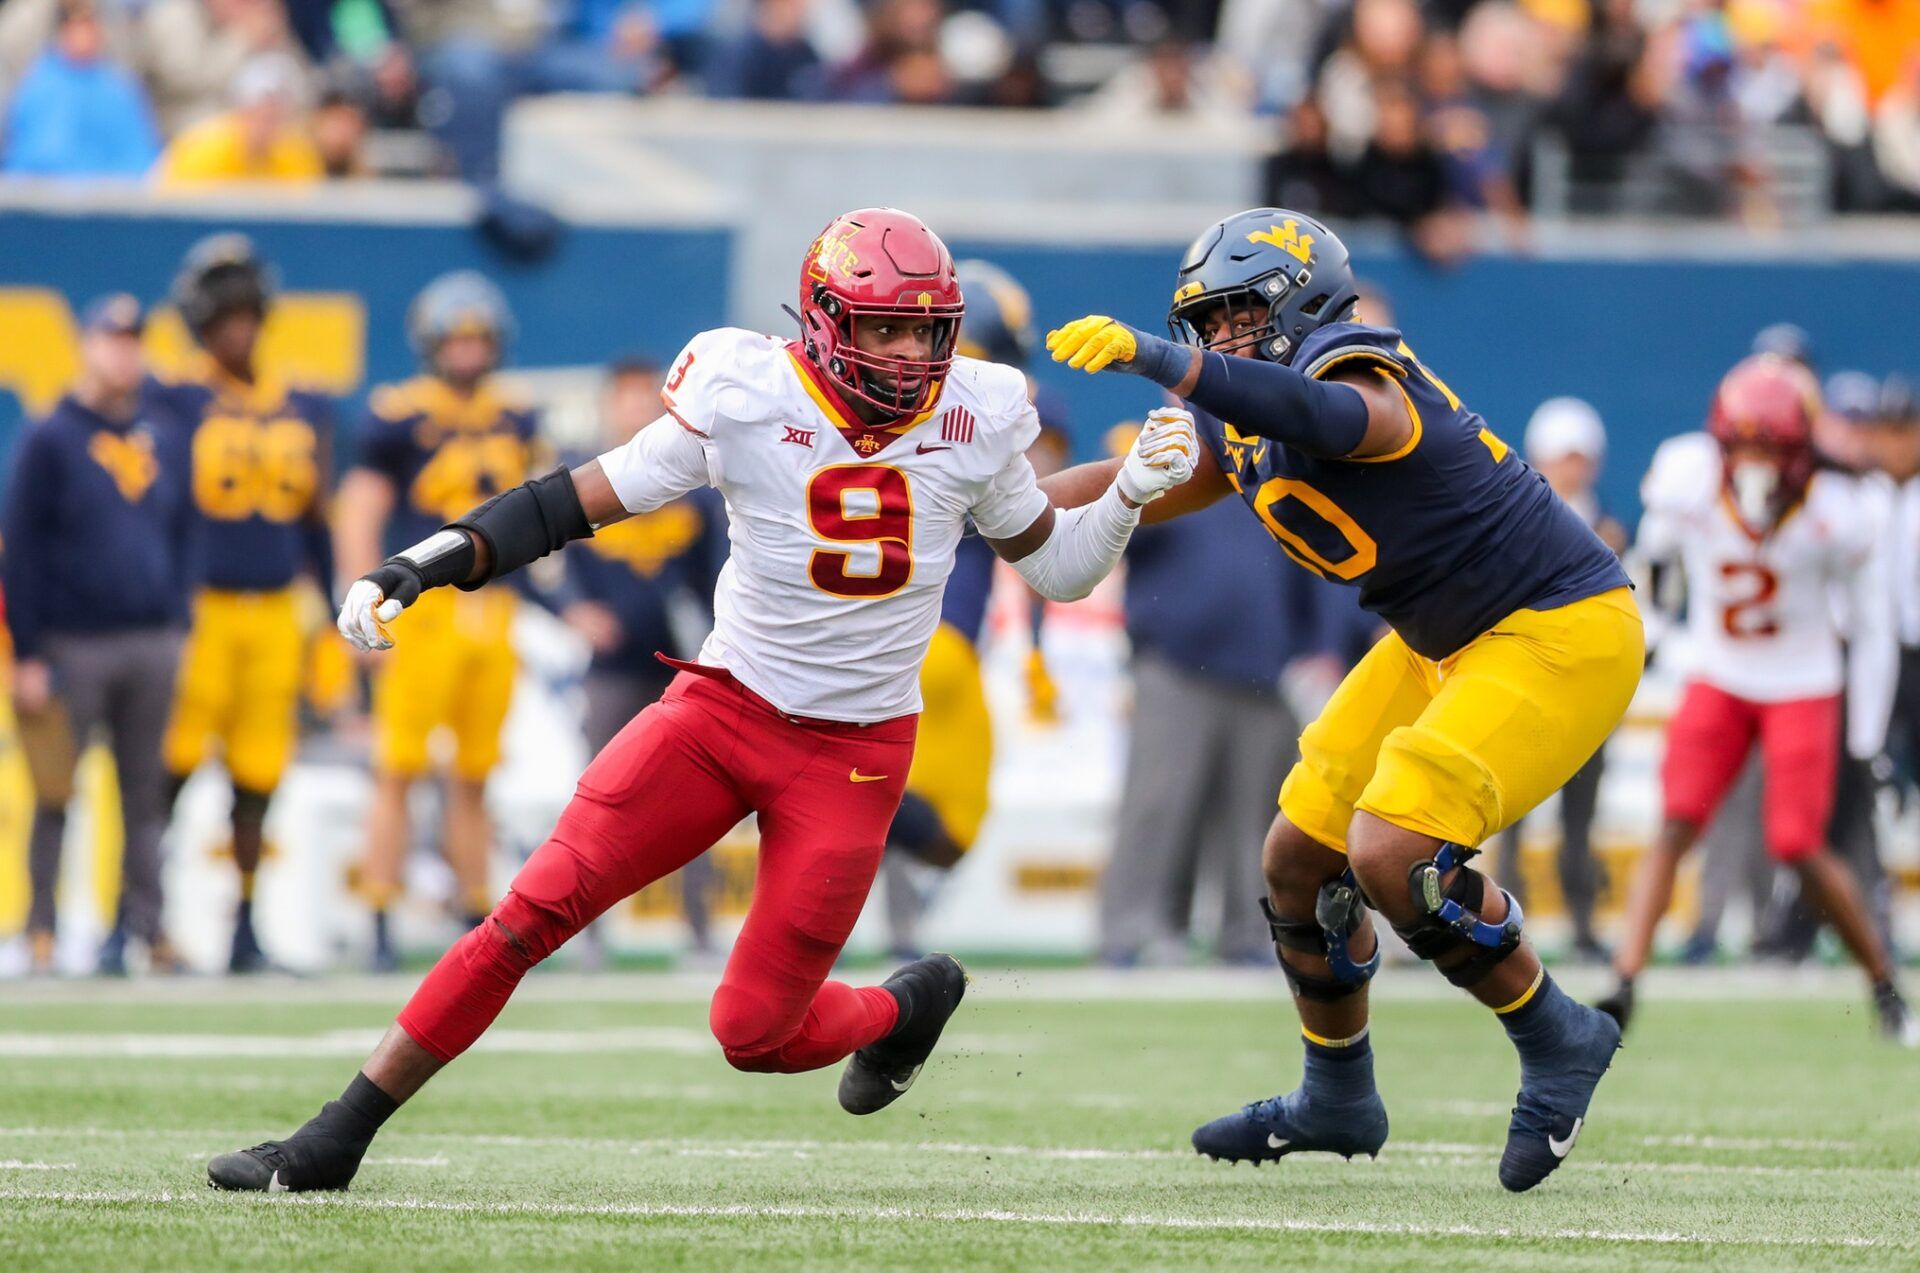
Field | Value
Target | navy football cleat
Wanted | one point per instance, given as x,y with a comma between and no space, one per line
1554,1093
1268,1130
929,990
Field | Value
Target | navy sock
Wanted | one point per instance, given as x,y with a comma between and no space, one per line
1338,1076
1539,1026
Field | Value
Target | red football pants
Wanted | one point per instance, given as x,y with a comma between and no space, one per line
676,779
1709,739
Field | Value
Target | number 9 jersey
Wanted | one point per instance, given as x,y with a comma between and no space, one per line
843,534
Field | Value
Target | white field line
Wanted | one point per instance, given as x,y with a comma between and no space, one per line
1750,1143
960,1215
1404,983
357,1043
1400,1154
15,1164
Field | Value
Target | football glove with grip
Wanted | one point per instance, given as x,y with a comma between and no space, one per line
1161,458
1096,343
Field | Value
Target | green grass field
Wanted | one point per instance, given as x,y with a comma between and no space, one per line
598,1127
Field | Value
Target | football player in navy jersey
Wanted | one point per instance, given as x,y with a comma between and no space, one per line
1514,646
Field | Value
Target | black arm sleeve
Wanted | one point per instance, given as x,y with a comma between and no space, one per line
524,524
1316,417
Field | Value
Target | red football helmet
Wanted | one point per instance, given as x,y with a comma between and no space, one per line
1770,403
878,261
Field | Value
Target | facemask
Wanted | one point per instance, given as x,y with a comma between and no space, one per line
1754,485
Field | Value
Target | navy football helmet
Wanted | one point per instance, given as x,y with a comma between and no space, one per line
457,302
1284,264
999,322
222,273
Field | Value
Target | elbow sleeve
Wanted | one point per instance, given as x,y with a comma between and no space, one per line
1321,418
1083,549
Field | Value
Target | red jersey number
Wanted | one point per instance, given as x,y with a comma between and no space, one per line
861,504
1756,586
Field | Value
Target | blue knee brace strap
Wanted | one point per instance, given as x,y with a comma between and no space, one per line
1450,918
1338,912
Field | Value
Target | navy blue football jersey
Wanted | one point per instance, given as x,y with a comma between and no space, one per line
1445,536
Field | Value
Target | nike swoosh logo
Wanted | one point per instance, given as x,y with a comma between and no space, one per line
1275,1142
854,775
899,1086
1561,1148
274,1185
924,449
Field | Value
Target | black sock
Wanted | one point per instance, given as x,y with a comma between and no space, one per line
367,1103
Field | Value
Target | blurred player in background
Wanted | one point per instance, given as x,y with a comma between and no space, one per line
431,448
1515,647
1765,540
97,571
1214,621
1567,443
261,464
851,460
947,788
636,589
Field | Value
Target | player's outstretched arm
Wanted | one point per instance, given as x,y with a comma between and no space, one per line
1334,419
1064,552
1085,483
511,530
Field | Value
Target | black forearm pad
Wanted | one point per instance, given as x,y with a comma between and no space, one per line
524,524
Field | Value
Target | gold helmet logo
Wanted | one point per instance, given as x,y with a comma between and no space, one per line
1287,238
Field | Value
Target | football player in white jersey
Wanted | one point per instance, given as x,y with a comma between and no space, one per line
851,460
1769,545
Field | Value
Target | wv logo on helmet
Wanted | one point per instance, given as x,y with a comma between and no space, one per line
1287,238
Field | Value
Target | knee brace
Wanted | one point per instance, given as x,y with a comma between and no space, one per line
1450,918
1337,914
250,805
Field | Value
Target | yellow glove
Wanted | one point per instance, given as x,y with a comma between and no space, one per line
1092,343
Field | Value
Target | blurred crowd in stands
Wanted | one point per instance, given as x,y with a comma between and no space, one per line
1416,111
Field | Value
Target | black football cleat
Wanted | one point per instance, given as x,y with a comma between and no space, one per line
929,991
1619,1005
1897,1021
323,1155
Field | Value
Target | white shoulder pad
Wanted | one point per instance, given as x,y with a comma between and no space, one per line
1000,393
725,374
1684,475
1852,511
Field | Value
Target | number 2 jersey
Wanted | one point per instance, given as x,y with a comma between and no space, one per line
1767,614
1445,536
842,535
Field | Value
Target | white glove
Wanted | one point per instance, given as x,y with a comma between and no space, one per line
365,614
1162,457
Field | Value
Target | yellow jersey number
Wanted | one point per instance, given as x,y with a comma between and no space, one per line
468,470
246,468
1282,499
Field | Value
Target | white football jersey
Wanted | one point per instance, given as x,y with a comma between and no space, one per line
1767,614
842,535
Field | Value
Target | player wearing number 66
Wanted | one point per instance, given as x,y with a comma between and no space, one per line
1514,647
852,460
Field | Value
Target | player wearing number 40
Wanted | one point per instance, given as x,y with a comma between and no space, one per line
260,477
851,460
1513,648
433,447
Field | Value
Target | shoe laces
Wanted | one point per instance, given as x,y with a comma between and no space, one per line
271,1152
